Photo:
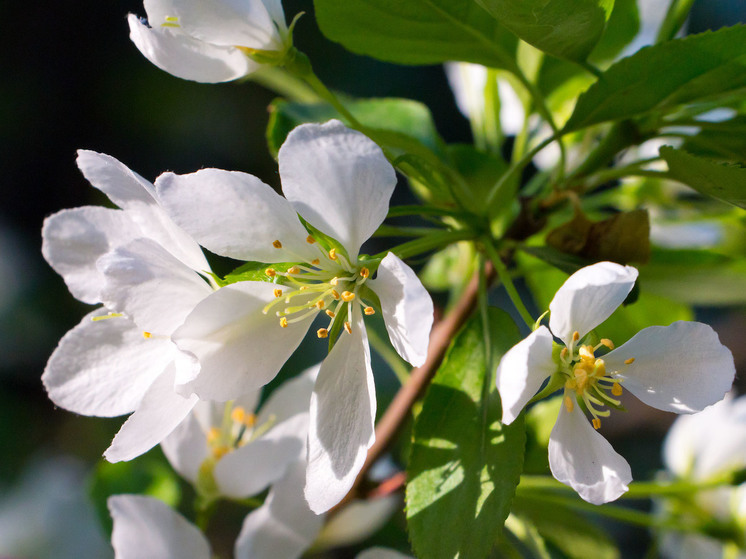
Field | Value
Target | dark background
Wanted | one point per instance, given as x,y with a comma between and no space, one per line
72,79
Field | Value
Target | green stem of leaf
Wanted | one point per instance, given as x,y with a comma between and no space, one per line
394,231
505,279
677,13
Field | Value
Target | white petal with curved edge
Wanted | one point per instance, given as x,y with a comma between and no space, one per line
343,410
725,447
251,468
406,307
137,197
238,347
589,297
338,180
150,286
522,370
180,55
283,527
241,23
157,415
682,368
145,527
251,216
579,456
104,367
357,520
73,240
292,398
186,447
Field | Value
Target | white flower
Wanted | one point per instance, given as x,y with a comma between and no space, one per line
340,183
681,368
210,40
146,271
698,448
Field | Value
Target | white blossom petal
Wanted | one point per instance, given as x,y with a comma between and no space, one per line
343,410
579,456
137,197
522,370
244,23
291,399
180,55
249,215
406,307
186,447
589,297
145,527
357,521
104,367
150,286
73,240
283,527
338,180
381,553
681,368
239,348
157,415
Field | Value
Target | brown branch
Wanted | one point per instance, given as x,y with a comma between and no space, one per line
398,411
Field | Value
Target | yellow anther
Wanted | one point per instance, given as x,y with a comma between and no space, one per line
293,270
238,414
348,296
319,305
276,244
315,261
564,353
303,288
310,240
616,389
172,19
249,420
147,335
284,322
575,336
596,423
270,272
330,314
213,435
219,451
364,272
569,405
334,281
333,254
629,361
335,294
348,327
322,332
369,310
586,351
277,292
607,342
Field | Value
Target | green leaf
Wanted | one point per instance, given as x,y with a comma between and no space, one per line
254,271
724,182
621,29
573,534
664,76
564,28
411,120
721,140
464,464
417,31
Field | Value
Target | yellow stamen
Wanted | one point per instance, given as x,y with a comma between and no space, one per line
607,342
147,335
586,351
172,19
563,353
310,240
213,435
569,405
348,327
322,332
249,420
616,389
364,272
330,314
238,414
270,272
315,261
293,270
284,322
335,294
333,254
334,281
629,361
220,451
107,316
575,336
319,305
348,296
276,244
277,292
596,423
369,310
